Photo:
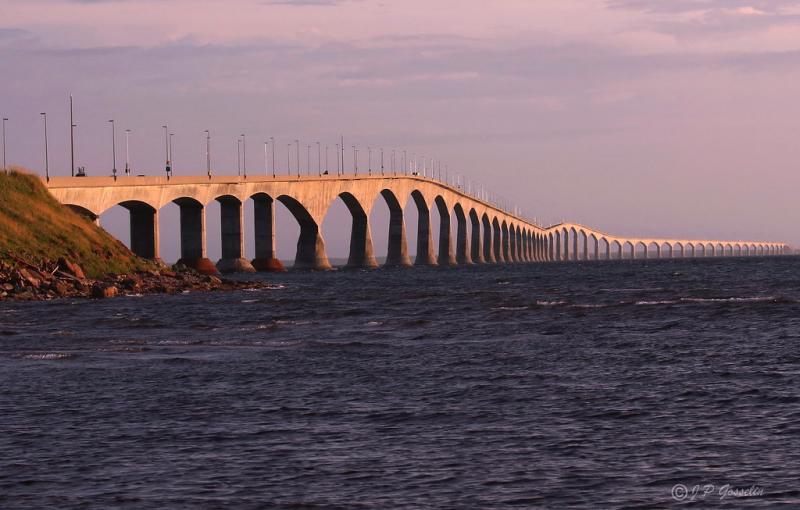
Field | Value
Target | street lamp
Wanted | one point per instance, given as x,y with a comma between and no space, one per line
326,159
71,138
319,160
127,152
208,152
166,150
338,169
355,160
238,156
266,159
113,149
244,155
46,156
381,160
308,159
369,160
297,142
272,138
170,150
405,168
288,159
4,144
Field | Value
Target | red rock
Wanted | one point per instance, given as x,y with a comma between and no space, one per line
71,268
269,265
101,291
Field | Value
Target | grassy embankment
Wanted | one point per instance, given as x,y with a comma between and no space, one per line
34,226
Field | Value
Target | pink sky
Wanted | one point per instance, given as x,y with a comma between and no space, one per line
640,117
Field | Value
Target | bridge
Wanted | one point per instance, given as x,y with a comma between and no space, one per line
485,232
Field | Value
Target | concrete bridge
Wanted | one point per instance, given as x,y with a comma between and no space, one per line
484,232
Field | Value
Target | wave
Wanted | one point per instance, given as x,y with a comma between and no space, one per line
48,356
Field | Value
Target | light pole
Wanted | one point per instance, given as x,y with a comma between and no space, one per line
113,148
127,152
393,167
71,138
338,169
355,160
46,156
319,160
166,149
244,156
326,159
308,159
4,144
272,138
381,160
405,168
208,152
170,151
297,142
266,159
238,156
288,159
369,160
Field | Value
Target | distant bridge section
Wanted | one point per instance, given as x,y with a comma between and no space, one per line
484,232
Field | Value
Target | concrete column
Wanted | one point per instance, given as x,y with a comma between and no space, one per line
585,247
362,254
596,249
311,249
476,248
575,252
264,227
144,231
445,257
463,248
557,243
566,246
397,249
488,243
499,256
505,245
231,222
425,256
512,245
193,236
658,251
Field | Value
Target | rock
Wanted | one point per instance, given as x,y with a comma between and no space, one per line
59,288
167,272
8,287
30,276
102,291
71,268
212,279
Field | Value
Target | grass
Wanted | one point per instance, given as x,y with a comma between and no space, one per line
34,226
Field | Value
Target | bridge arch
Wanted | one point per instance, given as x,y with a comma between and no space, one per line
84,212
397,246
476,245
488,240
425,255
310,244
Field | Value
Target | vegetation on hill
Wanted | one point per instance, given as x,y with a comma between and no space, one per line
35,227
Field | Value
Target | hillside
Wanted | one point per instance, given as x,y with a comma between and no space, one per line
35,227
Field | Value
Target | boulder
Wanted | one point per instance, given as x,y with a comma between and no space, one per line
102,291
71,268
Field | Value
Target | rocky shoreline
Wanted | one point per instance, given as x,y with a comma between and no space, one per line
48,280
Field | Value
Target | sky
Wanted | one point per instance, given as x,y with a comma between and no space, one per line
663,118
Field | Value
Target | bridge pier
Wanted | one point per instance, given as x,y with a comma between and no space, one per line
476,251
144,229
488,241
497,242
193,236
425,256
397,249
264,227
463,246
231,221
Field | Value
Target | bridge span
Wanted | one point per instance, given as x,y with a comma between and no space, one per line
485,233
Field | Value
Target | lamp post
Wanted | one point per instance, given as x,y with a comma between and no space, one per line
405,168
4,144
308,159
46,156
170,151
355,160
326,159
208,152
369,160
272,139
266,159
338,169
127,152
71,138
319,160
297,143
381,160
244,156
166,150
288,159
113,149
394,169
